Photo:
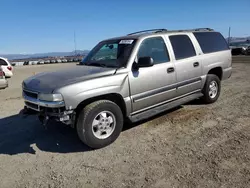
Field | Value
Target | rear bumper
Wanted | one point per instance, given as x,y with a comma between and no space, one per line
8,74
227,73
3,83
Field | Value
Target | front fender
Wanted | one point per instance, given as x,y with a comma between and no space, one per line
74,94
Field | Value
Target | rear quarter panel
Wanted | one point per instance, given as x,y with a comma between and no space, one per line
221,59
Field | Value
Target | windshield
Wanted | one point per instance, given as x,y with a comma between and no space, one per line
113,53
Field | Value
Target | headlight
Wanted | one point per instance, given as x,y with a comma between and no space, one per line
244,48
50,97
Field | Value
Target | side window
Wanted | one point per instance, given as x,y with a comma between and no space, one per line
211,41
2,62
155,48
182,46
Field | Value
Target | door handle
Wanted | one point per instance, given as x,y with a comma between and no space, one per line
171,69
196,64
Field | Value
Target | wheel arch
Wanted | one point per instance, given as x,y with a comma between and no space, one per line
216,71
114,97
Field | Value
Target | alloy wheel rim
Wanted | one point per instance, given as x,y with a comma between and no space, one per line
213,89
103,124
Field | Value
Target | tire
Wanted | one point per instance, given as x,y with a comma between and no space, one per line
210,97
87,130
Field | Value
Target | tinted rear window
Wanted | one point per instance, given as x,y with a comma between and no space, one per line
182,46
211,41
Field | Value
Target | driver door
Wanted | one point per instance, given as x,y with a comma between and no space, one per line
151,86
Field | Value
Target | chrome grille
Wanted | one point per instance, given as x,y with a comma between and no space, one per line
30,94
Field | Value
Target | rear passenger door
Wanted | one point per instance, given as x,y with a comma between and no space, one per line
187,64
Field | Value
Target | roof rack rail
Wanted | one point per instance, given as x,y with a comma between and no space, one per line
196,29
201,29
149,30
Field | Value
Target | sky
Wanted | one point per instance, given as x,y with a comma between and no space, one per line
32,26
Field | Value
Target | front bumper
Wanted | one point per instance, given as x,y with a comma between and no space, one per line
247,51
37,105
53,110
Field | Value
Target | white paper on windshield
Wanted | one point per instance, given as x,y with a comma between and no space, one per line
126,41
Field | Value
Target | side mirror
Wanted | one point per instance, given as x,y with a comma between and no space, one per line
145,62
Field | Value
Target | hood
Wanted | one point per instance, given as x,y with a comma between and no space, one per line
46,82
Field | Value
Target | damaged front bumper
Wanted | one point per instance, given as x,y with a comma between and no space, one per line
48,109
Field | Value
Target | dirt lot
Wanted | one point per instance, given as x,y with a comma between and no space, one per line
192,146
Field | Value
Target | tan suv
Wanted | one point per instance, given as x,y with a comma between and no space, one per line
131,77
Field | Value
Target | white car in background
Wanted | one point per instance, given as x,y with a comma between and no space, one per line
3,81
6,67
64,61
58,60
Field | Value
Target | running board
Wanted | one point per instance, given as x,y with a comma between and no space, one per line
164,107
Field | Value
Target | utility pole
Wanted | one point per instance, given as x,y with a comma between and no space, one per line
75,41
229,34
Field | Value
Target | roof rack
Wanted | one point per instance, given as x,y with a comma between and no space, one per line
197,29
164,30
201,29
149,30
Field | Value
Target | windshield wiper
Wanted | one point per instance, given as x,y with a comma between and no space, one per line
99,65
96,64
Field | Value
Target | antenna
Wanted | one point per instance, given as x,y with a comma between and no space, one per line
75,41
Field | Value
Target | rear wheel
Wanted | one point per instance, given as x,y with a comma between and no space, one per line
100,123
211,90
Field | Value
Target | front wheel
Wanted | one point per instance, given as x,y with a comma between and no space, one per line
100,123
211,90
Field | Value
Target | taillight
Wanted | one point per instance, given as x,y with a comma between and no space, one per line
9,68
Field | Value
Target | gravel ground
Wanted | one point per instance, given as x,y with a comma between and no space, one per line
194,145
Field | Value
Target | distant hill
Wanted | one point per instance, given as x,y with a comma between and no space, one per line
82,52
42,55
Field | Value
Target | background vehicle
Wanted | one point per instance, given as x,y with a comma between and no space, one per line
246,49
33,62
58,61
3,81
47,62
131,77
26,63
240,48
64,61
7,68
40,62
